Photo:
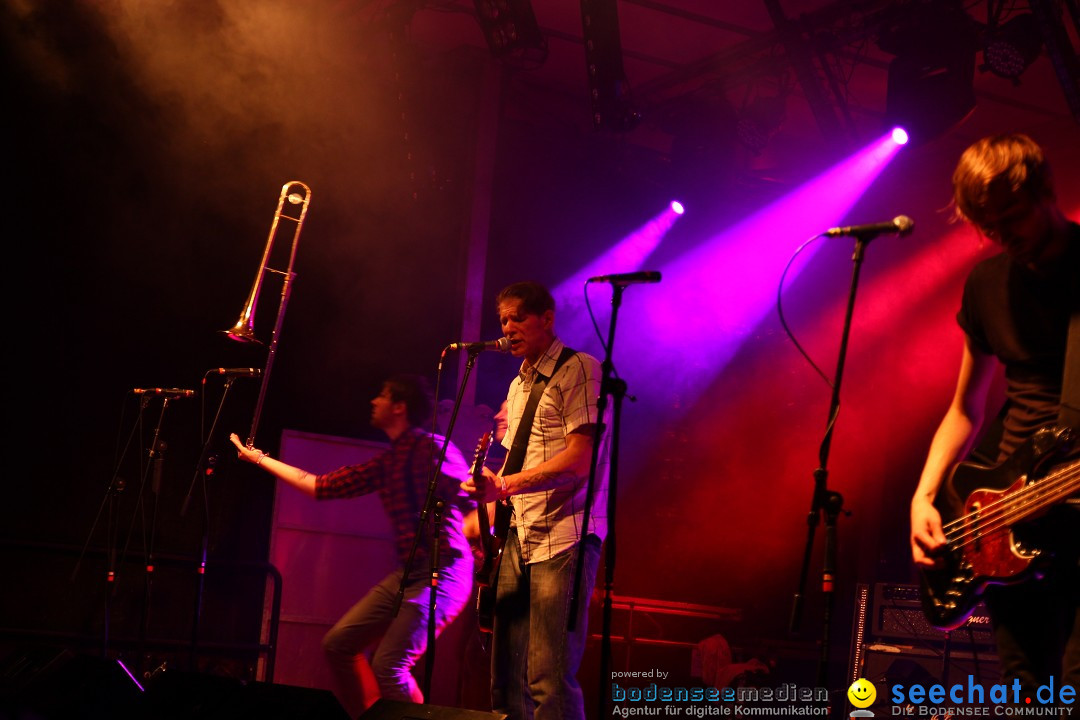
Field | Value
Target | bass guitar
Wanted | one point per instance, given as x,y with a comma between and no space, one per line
492,543
983,511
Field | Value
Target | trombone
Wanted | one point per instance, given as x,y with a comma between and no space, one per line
297,195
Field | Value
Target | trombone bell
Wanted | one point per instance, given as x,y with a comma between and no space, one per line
242,331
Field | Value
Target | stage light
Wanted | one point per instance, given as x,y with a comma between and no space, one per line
930,81
628,254
759,121
510,27
899,136
749,254
1012,46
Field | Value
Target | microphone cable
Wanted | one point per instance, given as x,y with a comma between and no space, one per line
600,337
780,310
791,335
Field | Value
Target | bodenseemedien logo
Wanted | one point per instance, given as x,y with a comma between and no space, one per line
786,700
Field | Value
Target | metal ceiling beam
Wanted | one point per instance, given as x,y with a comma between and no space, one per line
743,59
1060,50
695,17
802,62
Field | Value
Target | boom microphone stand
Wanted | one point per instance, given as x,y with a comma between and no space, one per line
616,388
153,469
204,468
825,502
110,501
435,506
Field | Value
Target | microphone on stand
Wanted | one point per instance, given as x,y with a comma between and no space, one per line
642,276
900,225
165,392
500,345
236,372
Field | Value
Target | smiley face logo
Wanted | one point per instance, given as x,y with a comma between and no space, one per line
862,693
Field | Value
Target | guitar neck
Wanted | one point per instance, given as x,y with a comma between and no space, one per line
485,528
477,473
1050,490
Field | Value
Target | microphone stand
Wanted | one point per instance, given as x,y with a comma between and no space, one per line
204,468
110,501
436,527
826,502
156,465
616,388
435,505
153,468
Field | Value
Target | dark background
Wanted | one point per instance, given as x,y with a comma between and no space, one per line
144,152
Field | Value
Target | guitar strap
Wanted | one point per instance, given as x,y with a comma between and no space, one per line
1069,413
516,458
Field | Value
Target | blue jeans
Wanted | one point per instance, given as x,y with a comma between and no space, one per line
534,661
404,638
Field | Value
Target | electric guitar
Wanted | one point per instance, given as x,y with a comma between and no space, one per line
982,512
492,544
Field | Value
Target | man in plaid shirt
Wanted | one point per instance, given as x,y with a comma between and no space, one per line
400,476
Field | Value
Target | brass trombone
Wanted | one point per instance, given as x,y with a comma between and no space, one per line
295,193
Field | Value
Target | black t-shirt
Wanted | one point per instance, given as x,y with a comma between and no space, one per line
1022,318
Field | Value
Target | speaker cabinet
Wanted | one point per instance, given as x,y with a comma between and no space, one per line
886,666
263,700
180,694
892,643
75,685
183,695
384,709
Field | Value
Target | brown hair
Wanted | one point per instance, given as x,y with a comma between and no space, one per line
415,392
1014,162
535,298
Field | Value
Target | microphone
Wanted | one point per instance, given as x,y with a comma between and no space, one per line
500,345
165,392
238,372
642,276
901,225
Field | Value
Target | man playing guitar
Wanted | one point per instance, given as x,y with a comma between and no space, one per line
1015,314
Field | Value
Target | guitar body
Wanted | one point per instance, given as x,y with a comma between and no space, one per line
491,542
488,576
984,511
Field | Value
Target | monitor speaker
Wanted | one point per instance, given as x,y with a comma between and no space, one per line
76,685
199,696
924,666
396,710
259,700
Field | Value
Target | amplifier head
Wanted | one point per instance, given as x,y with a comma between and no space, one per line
896,614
